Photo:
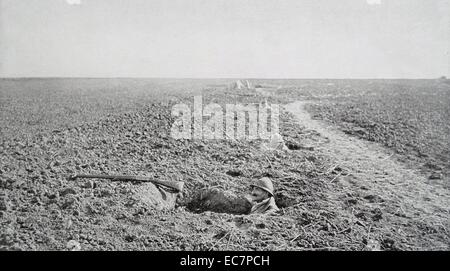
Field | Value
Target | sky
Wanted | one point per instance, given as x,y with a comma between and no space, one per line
225,38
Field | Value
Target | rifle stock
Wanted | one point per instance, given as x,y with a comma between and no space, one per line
175,185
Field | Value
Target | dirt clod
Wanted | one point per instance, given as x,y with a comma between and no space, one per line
73,245
234,173
435,176
68,191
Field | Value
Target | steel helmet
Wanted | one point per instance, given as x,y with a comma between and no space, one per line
265,184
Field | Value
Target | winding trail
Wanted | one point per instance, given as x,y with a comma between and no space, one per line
408,197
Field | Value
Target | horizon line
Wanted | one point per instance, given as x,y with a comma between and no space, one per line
226,78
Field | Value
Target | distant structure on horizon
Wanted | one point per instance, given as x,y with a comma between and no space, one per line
242,84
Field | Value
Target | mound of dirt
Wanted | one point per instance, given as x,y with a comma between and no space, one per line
155,197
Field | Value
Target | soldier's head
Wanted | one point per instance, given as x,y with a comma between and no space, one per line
262,189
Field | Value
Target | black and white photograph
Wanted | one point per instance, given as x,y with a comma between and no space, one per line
239,126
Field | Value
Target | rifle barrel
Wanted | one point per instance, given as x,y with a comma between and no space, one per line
112,177
178,186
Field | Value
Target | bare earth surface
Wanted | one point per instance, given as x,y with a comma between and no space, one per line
336,191
406,193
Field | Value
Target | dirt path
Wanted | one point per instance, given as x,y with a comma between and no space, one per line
410,205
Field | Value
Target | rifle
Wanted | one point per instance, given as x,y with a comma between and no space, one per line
173,185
